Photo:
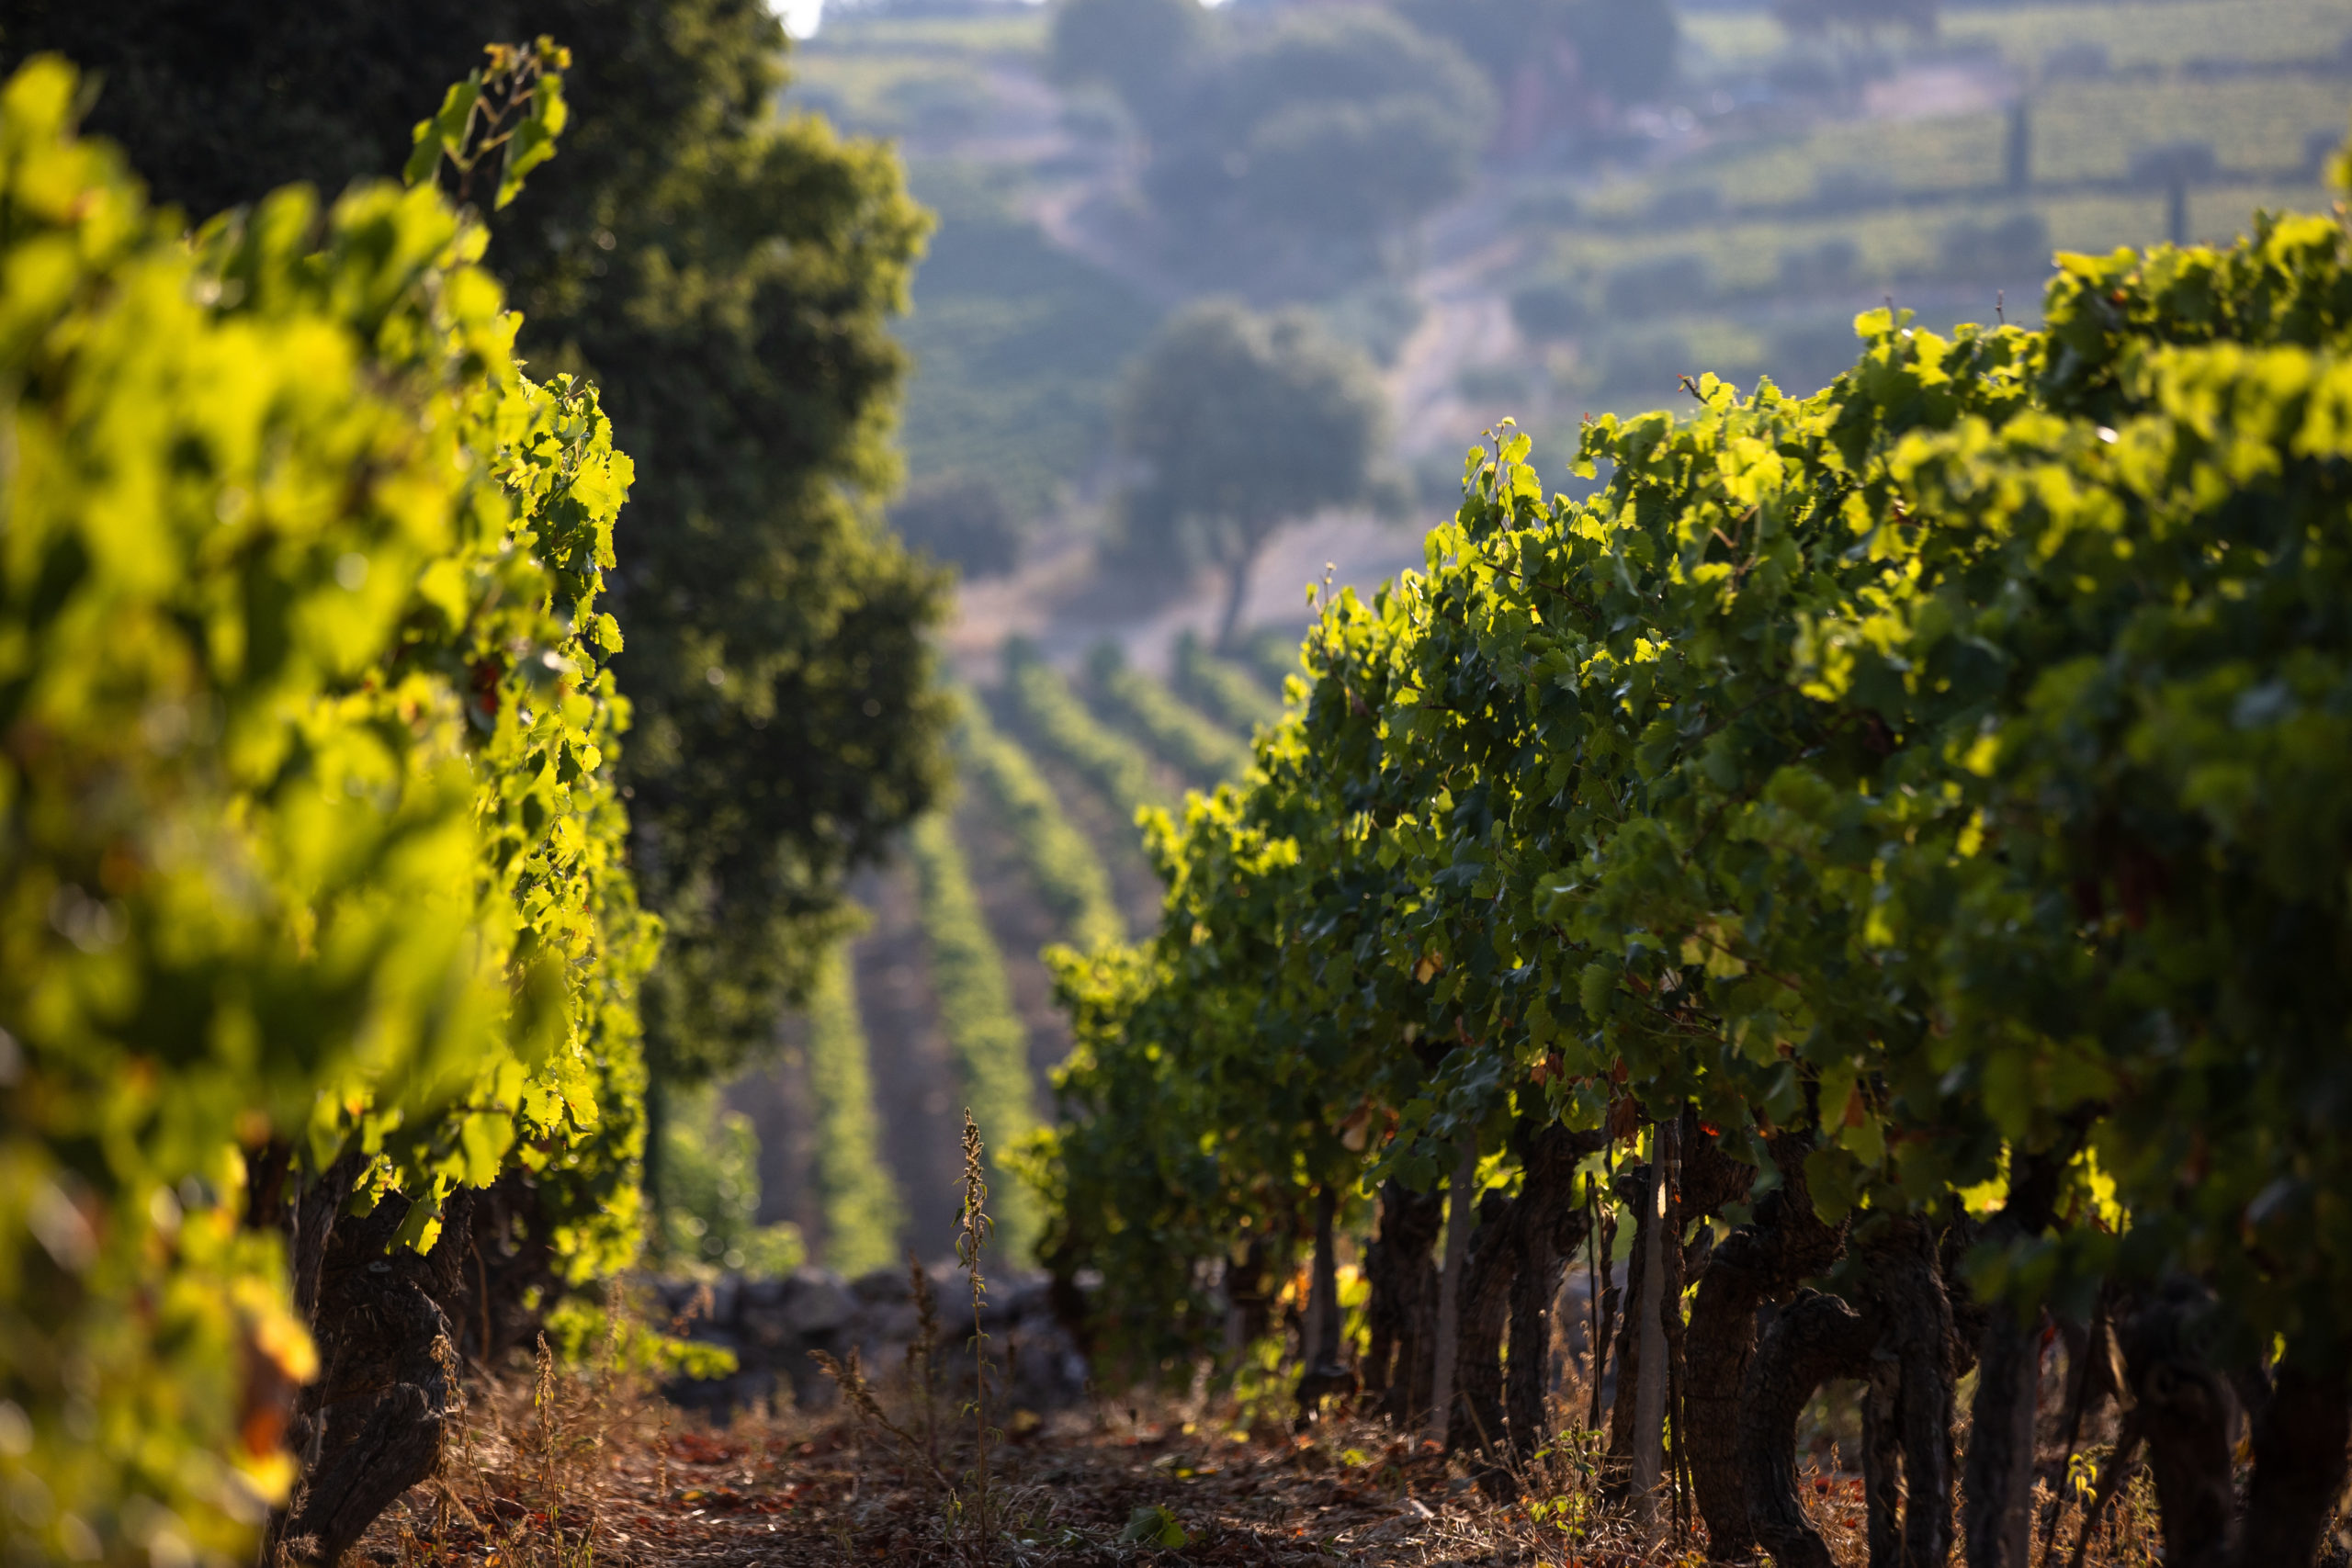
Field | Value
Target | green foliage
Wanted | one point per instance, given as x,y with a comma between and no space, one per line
1327,125
1042,705
1860,15
976,1012
725,277
961,519
1222,688
1241,424
1139,48
1623,48
708,1218
1945,768
1180,736
863,1216
1069,875
306,794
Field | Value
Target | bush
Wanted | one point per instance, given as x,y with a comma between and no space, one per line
960,518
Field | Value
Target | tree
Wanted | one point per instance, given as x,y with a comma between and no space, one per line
1242,423
960,518
1354,170
1139,49
1856,16
1331,125
725,277
1624,47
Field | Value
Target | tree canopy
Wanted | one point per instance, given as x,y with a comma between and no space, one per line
1860,15
1239,423
1622,46
1137,48
725,277
1325,126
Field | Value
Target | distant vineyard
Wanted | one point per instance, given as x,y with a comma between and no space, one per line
1188,741
1066,869
1222,689
863,1216
1042,704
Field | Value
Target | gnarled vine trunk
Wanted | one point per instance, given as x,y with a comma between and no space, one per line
1998,1521
2300,1439
1400,1266
1764,1260
370,1426
1817,1338
1552,1225
1485,1306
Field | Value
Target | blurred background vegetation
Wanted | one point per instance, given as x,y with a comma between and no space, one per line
1172,249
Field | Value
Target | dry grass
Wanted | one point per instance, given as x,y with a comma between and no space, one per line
555,1467
568,1469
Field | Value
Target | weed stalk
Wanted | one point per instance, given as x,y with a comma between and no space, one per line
973,1228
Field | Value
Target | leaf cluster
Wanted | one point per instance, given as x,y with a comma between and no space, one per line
1943,768
306,806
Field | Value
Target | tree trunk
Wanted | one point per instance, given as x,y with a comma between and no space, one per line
1882,1462
1320,1334
1604,1303
1402,1311
1549,1230
2300,1437
1904,1284
2184,1411
372,1423
1817,1338
1449,1295
1323,1370
1478,1357
1997,1512
1247,1304
1633,1193
1649,1406
1783,1247
1237,573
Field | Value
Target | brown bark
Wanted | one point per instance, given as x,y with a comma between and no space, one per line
1903,1283
370,1426
1485,1306
2299,1436
1632,1193
1401,1268
1764,1260
1882,1462
2183,1414
1998,1513
1817,1338
1551,1228
1323,1370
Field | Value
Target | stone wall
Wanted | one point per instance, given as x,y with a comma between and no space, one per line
775,1326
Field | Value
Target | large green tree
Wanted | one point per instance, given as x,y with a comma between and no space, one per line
1239,423
726,276
1139,49
1327,127
1624,48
